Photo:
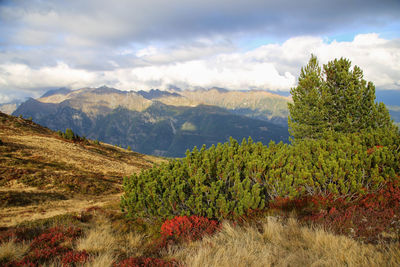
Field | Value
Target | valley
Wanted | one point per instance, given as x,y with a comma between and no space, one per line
162,123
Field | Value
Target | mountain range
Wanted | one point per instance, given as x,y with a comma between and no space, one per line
167,123
164,123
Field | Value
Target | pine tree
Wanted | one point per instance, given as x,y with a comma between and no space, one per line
306,118
336,99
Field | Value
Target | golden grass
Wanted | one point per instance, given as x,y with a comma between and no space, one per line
105,259
99,239
36,160
279,244
31,147
15,215
50,149
10,251
132,244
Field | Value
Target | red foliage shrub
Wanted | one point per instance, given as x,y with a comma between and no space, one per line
50,245
55,236
183,228
365,217
73,257
19,234
146,262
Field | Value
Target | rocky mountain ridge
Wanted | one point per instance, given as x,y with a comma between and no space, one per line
158,122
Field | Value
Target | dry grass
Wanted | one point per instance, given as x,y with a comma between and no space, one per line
10,251
12,216
36,162
115,161
132,244
103,260
100,238
283,245
39,157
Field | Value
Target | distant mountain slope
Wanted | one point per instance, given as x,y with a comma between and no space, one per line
256,104
98,101
159,130
161,123
169,131
156,93
93,101
60,91
9,108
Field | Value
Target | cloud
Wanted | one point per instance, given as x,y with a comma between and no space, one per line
153,43
22,77
122,22
271,66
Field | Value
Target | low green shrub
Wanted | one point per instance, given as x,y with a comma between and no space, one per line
70,135
230,180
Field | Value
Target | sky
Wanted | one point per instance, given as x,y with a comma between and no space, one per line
235,44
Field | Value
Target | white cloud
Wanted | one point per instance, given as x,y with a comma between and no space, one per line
4,98
22,77
377,57
273,67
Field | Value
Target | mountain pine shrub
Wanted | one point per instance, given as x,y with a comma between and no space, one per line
230,180
334,98
344,144
70,135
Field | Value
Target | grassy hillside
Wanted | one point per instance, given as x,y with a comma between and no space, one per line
38,166
60,207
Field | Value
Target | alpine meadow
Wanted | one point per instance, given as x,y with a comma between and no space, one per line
329,197
248,133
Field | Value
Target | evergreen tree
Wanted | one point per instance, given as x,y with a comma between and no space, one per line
336,99
306,111
69,134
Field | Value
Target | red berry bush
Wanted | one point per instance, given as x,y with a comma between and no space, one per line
146,262
184,228
364,217
54,243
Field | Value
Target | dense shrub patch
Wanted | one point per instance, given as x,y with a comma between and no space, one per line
184,228
70,135
364,217
146,262
73,257
54,243
229,180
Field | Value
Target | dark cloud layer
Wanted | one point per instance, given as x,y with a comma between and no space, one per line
146,43
124,21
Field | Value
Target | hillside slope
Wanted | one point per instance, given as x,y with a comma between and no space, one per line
38,166
160,123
